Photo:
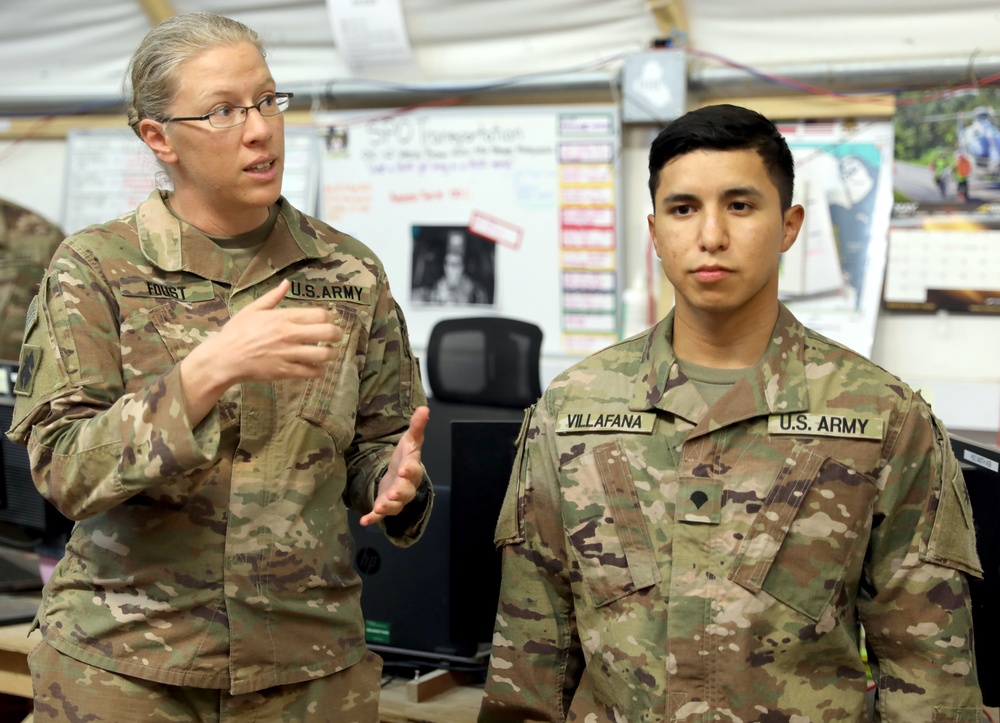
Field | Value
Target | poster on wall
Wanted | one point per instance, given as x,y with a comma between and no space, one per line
831,279
944,244
947,148
499,211
452,266
370,34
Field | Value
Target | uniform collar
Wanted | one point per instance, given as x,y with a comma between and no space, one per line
174,245
776,385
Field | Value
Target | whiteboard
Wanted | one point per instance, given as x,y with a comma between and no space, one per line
528,195
110,172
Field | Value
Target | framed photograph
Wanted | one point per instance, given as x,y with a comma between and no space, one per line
452,267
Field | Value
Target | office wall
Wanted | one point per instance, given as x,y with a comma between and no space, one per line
527,195
954,359
33,173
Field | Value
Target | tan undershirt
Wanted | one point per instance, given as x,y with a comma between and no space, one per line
243,246
712,383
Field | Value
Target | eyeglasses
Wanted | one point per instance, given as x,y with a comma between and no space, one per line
229,116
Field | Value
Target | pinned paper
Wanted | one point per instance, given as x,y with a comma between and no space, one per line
370,34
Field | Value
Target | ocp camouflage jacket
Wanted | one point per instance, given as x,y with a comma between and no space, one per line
217,556
664,560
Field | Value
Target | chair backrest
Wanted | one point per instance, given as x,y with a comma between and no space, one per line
487,360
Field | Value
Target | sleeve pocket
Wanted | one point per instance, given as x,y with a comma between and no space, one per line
952,541
510,524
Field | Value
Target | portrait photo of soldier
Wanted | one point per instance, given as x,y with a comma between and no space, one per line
452,267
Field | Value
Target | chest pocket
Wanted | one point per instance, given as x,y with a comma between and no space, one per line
812,528
179,327
605,525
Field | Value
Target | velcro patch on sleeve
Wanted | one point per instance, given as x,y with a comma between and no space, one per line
31,317
27,366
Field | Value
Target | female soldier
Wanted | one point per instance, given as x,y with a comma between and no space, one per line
205,383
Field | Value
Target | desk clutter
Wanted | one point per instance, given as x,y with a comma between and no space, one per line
439,696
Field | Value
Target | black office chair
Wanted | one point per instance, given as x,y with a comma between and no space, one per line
489,360
478,368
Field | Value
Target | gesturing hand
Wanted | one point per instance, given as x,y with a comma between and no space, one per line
265,343
405,474
260,343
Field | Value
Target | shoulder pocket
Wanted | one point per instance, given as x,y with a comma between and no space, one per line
510,524
951,541
411,389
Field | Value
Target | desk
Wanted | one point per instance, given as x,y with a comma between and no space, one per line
457,705
15,680
15,644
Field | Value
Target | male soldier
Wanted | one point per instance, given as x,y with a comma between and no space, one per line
702,517
27,242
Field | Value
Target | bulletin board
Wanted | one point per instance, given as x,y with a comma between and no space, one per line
109,172
522,200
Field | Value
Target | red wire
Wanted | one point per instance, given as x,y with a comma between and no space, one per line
27,135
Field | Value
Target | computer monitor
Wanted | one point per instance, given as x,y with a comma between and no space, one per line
981,469
436,600
28,522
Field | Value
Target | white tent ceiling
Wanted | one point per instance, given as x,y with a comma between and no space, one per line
68,52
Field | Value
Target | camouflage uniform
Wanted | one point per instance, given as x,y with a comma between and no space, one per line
27,242
65,688
218,556
667,561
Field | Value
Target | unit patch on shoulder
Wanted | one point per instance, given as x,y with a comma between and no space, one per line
31,317
31,357
825,425
604,420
